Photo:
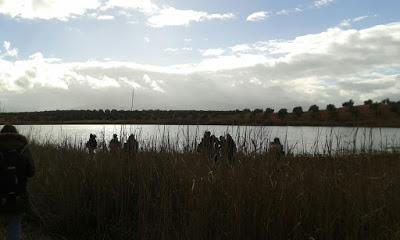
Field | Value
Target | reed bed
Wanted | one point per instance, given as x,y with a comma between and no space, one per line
162,193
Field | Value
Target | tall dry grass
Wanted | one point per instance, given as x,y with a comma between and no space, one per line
181,195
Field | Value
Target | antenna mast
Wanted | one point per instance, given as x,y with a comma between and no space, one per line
133,97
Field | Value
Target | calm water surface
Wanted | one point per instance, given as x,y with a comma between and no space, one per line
248,138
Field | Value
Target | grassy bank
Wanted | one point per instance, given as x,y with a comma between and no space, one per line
182,196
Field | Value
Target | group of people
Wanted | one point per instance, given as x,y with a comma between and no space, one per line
17,165
131,146
225,148
215,148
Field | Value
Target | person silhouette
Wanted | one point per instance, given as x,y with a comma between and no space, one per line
16,166
115,144
132,145
276,148
91,145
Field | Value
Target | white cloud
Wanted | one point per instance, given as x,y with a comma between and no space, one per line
178,50
258,16
347,23
361,18
241,48
187,40
144,6
174,17
157,16
322,3
213,52
8,50
289,11
146,39
105,17
328,67
47,9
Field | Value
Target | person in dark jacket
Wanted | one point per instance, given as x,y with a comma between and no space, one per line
91,144
131,146
276,149
228,148
14,203
115,145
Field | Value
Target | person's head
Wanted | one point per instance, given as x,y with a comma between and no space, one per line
207,133
115,135
9,129
92,136
277,141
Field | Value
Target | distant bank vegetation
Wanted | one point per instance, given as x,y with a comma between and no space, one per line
371,114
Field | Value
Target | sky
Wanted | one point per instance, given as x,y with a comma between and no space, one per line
203,54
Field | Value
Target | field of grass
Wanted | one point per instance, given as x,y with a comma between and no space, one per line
181,195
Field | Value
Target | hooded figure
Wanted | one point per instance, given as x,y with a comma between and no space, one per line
16,166
276,148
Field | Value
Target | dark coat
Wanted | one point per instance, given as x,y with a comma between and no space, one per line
13,141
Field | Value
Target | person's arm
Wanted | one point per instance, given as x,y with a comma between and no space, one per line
26,152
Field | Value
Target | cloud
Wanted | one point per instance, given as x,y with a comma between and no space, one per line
157,16
289,11
258,16
105,17
144,6
174,17
328,67
47,9
178,50
347,23
361,18
147,39
8,50
212,52
322,3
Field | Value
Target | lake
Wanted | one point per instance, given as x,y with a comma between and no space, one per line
248,138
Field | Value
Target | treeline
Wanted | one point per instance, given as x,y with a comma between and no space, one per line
384,113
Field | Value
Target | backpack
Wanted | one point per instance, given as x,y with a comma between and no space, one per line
13,174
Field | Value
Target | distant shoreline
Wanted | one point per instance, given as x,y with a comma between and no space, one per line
353,125
377,116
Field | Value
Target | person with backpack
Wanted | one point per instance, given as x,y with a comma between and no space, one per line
16,166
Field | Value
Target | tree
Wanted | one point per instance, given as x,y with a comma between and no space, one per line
368,102
257,110
348,104
375,108
386,101
331,110
282,113
268,112
395,107
313,108
298,111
